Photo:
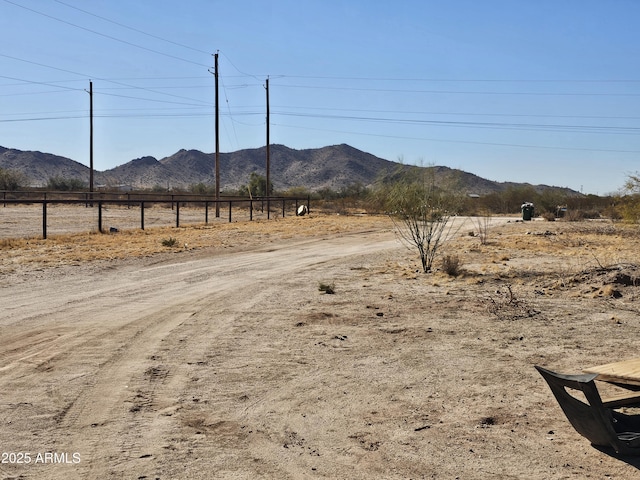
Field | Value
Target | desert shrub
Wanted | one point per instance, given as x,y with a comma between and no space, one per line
577,215
505,305
169,242
62,184
451,265
421,212
11,179
482,223
354,191
630,203
612,212
326,193
157,188
257,186
298,192
202,189
630,209
592,213
549,216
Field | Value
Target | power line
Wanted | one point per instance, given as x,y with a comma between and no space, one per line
456,80
103,79
580,128
233,125
27,82
460,92
130,97
85,116
402,137
240,71
153,90
132,28
190,77
43,65
105,35
161,87
492,125
471,114
48,84
111,111
32,93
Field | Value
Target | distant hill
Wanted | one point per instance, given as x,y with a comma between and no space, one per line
332,167
38,167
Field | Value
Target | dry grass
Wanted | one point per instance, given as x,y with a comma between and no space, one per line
90,246
560,249
563,248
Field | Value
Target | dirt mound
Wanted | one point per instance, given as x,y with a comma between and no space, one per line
624,275
611,281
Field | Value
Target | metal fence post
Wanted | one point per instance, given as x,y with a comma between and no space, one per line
100,216
44,220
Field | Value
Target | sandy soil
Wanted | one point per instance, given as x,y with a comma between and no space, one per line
230,363
26,220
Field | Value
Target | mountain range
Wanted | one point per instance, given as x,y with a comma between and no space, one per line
332,167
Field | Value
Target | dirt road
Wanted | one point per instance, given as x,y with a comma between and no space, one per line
131,369
231,364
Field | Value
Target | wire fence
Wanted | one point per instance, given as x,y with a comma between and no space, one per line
30,214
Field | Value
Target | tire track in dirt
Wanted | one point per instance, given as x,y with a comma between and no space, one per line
26,347
110,367
94,415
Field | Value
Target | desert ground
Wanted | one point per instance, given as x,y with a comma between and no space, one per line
219,355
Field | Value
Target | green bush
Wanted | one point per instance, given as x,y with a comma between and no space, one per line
62,184
11,179
169,242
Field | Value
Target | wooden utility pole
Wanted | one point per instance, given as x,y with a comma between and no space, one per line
91,140
217,141
268,153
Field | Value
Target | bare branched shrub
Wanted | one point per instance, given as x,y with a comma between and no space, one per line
482,224
420,211
506,306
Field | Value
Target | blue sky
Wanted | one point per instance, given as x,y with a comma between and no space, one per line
544,91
